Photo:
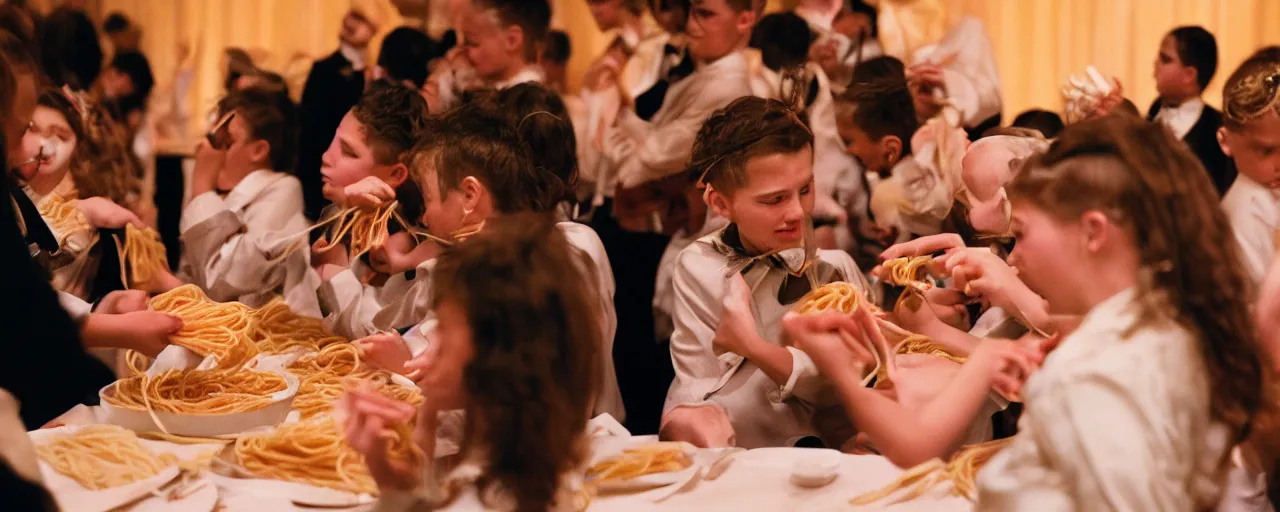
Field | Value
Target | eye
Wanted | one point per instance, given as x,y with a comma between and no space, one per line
805,191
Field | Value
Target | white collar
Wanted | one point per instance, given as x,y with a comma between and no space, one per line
249,188
353,55
734,61
530,73
816,19
1116,314
1249,183
1190,109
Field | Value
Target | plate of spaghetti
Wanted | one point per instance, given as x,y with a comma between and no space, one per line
101,467
200,403
642,467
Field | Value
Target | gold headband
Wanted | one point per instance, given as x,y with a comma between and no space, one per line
1268,85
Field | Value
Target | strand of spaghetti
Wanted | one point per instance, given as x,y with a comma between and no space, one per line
102,456
313,452
219,391
961,471
144,254
209,328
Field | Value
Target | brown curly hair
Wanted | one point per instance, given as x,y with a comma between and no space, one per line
103,164
392,115
531,384
1147,181
749,127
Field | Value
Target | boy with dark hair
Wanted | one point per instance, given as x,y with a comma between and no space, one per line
1047,123
1184,66
555,56
503,39
244,201
405,54
333,86
126,85
369,156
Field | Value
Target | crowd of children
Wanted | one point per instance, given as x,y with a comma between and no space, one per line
1104,294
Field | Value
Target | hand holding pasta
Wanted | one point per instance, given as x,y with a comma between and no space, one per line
209,328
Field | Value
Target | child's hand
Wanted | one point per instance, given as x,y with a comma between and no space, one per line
163,282
367,429
122,301
147,332
101,213
324,252
980,273
209,162
922,246
400,254
1007,364
949,306
370,192
824,336
386,350
737,329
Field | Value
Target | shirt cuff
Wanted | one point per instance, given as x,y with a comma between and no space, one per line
201,208
76,307
341,290
804,377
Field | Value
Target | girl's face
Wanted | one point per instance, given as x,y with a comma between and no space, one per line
1051,257
51,132
771,208
442,213
447,357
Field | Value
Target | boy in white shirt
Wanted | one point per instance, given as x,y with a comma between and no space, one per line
1184,65
243,208
1250,135
502,39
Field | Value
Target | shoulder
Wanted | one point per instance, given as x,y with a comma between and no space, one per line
1211,115
1139,364
843,262
1245,199
584,238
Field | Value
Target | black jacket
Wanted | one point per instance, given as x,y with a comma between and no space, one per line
1203,141
333,87
45,366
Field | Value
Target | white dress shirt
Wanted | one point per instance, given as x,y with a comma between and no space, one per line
248,246
969,72
1118,418
761,412
1180,119
649,150
530,73
1254,212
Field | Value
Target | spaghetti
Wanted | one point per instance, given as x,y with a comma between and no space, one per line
366,229
961,471
658,457
313,452
142,256
276,329
908,272
209,328
321,379
224,391
840,296
103,456
64,216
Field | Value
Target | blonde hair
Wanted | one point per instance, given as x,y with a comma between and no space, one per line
1251,91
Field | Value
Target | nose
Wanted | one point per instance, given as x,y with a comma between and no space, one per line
331,154
1015,257
794,211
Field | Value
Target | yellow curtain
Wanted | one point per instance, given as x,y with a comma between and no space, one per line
1038,43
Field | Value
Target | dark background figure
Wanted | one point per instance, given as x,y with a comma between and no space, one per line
1194,50
123,34
1047,123
333,86
70,52
405,54
125,86
555,57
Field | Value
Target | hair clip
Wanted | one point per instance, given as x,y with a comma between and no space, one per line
531,114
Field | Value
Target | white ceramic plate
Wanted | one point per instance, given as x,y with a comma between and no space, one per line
292,491
70,495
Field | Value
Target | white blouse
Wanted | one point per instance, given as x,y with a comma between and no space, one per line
249,246
1254,212
1113,422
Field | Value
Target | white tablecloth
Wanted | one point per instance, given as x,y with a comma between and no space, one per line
754,480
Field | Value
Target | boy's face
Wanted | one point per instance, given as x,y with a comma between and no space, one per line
771,208
715,29
1173,78
494,51
607,13
871,153
669,16
356,31
244,154
349,159
1256,149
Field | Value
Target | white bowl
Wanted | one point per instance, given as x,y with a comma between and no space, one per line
816,469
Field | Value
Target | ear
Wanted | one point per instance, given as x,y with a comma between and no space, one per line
1192,76
892,147
1222,141
718,202
260,151
397,175
1095,228
472,190
747,20
513,37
